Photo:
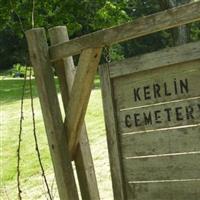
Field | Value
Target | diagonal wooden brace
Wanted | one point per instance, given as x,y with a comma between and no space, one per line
80,93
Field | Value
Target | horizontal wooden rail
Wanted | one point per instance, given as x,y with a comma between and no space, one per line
170,56
142,26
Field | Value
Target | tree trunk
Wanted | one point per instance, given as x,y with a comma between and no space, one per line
180,34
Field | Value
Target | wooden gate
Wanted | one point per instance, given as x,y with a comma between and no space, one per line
151,108
152,115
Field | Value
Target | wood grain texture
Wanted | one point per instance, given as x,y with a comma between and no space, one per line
139,27
38,50
171,114
168,56
177,190
161,142
159,85
80,93
65,70
85,169
111,131
162,167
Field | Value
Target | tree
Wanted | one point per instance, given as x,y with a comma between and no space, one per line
149,43
82,17
181,34
12,49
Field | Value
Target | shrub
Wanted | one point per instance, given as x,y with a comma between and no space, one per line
19,71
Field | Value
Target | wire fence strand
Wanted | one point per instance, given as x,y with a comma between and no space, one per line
20,137
35,137
33,113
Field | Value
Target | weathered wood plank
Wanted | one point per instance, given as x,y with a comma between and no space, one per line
80,93
111,131
174,82
38,50
169,56
85,169
140,27
177,190
161,142
168,167
83,160
171,114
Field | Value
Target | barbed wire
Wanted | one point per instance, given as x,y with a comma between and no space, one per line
33,114
35,137
20,136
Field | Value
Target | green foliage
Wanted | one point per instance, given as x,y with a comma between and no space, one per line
116,52
147,44
12,49
81,17
19,70
110,14
195,31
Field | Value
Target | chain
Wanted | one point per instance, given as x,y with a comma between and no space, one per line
106,54
20,137
35,138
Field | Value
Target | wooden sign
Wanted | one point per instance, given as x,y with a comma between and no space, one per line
152,115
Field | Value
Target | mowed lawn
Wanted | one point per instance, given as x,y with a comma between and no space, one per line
31,179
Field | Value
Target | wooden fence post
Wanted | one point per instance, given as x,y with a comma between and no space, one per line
83,159
38,50
112,139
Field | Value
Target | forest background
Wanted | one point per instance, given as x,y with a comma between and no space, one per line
82,17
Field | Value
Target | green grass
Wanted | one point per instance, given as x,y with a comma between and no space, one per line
11,91
10,95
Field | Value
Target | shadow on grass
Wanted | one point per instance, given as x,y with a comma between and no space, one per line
11,89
